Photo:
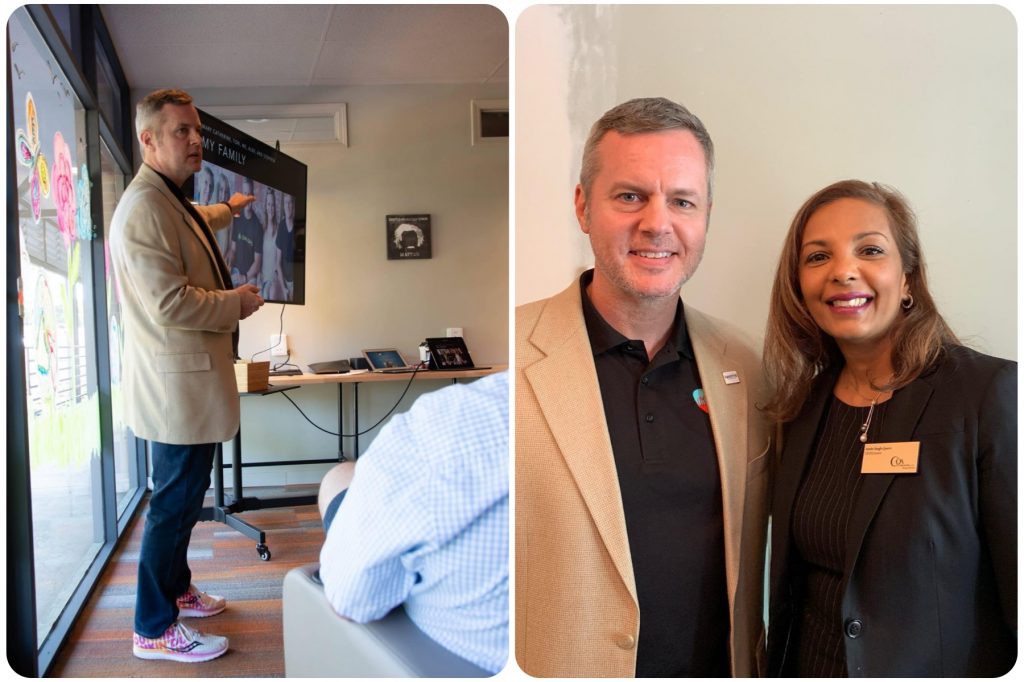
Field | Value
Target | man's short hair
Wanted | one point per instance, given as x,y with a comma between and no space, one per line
147,111
644,115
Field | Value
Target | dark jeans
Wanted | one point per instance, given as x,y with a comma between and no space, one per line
181,476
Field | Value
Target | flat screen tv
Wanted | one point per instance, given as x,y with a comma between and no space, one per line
266,243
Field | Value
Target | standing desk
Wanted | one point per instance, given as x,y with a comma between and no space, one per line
224,508
356,378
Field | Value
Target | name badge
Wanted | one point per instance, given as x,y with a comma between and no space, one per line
890,458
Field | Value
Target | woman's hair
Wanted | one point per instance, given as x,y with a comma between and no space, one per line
270,209
796,349
222,190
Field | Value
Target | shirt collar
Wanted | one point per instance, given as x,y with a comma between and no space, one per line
175,190
604,337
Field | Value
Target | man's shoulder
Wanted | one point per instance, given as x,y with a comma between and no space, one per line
527,314
140,198
968,369
455,434
727,332
564,304
458,411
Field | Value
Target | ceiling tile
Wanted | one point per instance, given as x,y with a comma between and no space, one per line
197,46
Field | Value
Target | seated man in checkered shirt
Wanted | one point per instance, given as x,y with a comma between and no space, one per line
423,521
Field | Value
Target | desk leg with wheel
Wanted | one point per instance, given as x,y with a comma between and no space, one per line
238,503
225,513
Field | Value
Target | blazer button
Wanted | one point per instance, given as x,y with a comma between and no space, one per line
854,628
627,642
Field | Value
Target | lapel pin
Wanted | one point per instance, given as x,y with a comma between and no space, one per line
731,377
700,399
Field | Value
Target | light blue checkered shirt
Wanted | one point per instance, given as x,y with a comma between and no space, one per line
425,522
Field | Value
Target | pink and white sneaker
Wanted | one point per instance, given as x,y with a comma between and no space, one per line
197,604
180,643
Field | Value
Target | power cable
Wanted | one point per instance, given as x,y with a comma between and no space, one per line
379,422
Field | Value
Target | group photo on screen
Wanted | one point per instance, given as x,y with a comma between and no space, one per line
259,245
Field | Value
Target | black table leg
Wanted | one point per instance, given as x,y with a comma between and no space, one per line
236,465
341,422
218,476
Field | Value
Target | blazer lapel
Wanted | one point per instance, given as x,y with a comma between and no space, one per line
902,414
152,178
727,408
565,384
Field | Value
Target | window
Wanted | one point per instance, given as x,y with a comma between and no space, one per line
63,407
126,469
488,120
68,490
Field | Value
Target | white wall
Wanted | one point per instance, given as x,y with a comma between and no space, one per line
409,152
795,97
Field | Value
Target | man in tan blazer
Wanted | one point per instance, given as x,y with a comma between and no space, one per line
641,469
180,318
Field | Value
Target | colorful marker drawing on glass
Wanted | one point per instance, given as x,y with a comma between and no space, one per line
84,214
46,337
63,189
30,155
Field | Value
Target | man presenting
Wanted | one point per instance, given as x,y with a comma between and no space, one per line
640,456
180,320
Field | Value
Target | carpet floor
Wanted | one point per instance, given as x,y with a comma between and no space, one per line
223,562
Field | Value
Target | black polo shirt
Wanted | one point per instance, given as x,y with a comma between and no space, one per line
218,258
671,494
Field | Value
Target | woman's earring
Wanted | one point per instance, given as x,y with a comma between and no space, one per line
908,302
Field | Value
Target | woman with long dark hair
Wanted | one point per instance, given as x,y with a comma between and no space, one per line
894,527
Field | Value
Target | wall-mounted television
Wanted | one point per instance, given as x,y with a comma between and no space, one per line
266,243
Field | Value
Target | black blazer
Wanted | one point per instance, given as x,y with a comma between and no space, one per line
931,557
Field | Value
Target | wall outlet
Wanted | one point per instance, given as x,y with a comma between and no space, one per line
279,345
454,331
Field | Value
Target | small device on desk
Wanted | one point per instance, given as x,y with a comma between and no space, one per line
291,372
333,367
449,353
386,361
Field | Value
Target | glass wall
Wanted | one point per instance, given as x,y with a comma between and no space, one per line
77,462
55,224
126,471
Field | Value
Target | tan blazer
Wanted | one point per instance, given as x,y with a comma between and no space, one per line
178,381
576,606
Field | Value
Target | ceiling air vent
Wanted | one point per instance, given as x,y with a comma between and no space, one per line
288,123
489,120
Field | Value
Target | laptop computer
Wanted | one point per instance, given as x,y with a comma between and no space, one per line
386,361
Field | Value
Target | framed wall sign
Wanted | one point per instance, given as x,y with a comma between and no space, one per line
408,236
